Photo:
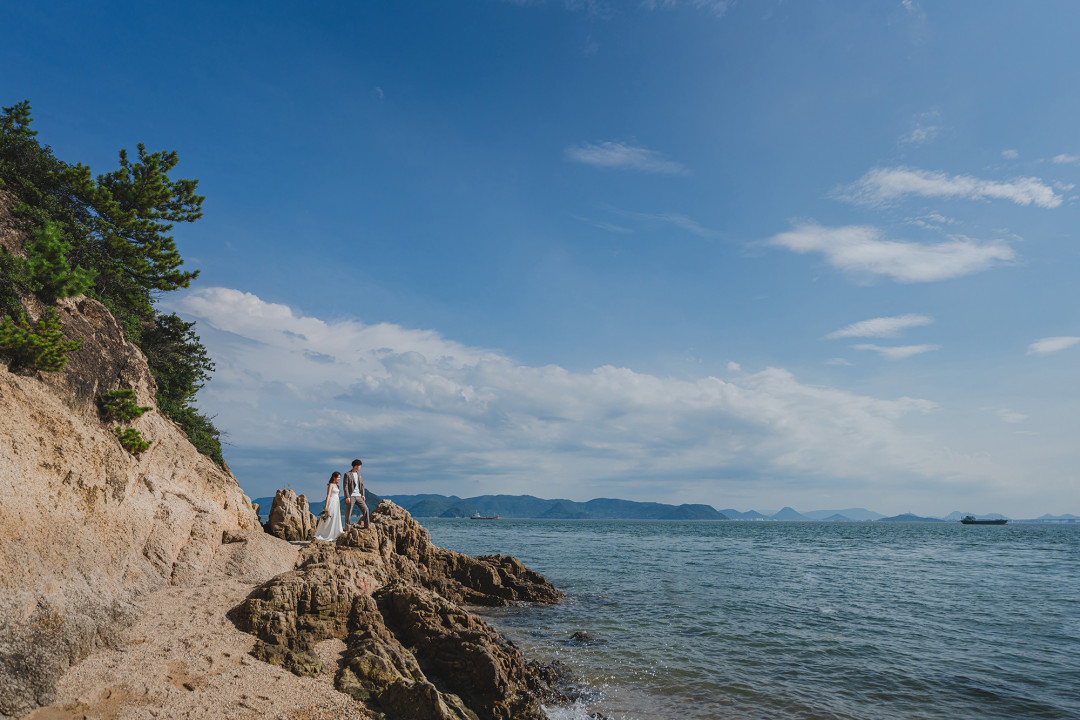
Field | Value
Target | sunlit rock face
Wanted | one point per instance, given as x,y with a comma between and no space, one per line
86,528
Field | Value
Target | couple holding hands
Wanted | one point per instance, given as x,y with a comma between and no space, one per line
329,526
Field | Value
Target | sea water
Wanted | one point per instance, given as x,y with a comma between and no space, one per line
790,620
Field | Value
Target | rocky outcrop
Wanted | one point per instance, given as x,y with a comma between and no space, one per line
414,651
85,527
290,517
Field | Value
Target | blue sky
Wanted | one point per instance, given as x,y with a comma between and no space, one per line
752,254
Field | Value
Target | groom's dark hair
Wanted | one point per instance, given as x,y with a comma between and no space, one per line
356,462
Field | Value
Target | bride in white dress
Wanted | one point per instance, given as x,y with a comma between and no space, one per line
329,526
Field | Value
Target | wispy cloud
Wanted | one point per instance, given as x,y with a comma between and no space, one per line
719,8
884,185
838,361
1010,154
898,352
430,409
1064,159
862,249
609,227
1049,345
881,327
932,221
679,220
924,129
1010,416
639,219
620,156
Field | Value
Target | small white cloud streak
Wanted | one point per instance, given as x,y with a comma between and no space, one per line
1010,154
881,327
898,352
719,8
925,129
839,361
427,404
679,220
1064,159
861,249
620,156
1049,345
1010,416
884,185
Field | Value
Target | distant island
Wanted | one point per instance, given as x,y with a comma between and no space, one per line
530,507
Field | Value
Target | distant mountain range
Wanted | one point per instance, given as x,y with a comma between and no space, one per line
527,506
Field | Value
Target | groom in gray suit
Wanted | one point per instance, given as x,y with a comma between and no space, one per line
354,495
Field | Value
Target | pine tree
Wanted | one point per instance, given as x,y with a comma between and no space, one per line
49,268
40,346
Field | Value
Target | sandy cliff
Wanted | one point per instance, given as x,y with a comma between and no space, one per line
86,529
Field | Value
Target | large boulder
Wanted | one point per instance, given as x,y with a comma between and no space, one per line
290,517
86,529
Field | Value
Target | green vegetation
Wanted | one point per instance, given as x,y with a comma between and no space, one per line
40,346
131,439
119,406
108,237
50,273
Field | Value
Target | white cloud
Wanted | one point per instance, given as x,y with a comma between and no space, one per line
718,8
431,409
838,361
884,185
861,249
924,129
1010,416
881,327
897,352
1010,154
620,156
610,227
1049,345
1064,159
677,219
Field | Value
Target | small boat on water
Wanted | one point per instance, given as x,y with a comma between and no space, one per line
970,520
478,516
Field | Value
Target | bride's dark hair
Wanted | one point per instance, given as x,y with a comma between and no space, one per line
334,476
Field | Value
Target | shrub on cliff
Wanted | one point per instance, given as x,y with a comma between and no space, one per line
111,233
119,405
51,275
40,346
131,440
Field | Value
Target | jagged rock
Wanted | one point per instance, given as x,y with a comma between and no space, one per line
86,528
413,651
290,517
461,652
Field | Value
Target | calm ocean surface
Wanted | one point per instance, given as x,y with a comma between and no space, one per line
800,620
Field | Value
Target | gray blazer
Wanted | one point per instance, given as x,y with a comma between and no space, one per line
354,482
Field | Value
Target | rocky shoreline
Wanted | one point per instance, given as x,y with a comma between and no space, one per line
374,626
413,650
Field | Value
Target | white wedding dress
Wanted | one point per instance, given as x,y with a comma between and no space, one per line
330,528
